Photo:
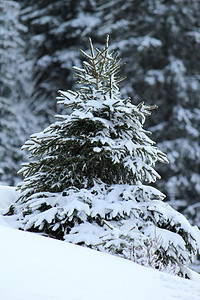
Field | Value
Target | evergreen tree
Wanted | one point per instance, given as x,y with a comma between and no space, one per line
160,42
86,181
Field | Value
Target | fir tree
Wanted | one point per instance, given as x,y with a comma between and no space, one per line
86,180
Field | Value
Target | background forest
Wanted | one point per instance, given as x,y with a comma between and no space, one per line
159,41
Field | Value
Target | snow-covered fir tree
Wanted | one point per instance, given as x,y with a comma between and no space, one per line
13,127
88,179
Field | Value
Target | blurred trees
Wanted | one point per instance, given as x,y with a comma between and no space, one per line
56,31
14,91
159,40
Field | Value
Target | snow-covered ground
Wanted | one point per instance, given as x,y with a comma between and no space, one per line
41,268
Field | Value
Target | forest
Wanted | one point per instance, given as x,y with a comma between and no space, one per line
158,42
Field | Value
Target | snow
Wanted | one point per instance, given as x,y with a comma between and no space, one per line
38,268
7,196
42,268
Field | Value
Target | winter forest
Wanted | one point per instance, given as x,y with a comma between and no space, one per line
110,139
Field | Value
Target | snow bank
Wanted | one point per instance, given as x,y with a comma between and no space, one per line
40,268
8,195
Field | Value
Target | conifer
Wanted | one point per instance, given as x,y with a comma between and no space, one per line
88,179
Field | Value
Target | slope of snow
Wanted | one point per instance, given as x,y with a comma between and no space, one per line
40,268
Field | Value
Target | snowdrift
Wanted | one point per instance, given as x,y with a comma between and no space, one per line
39,268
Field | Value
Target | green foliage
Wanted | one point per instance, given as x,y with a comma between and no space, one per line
102,139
